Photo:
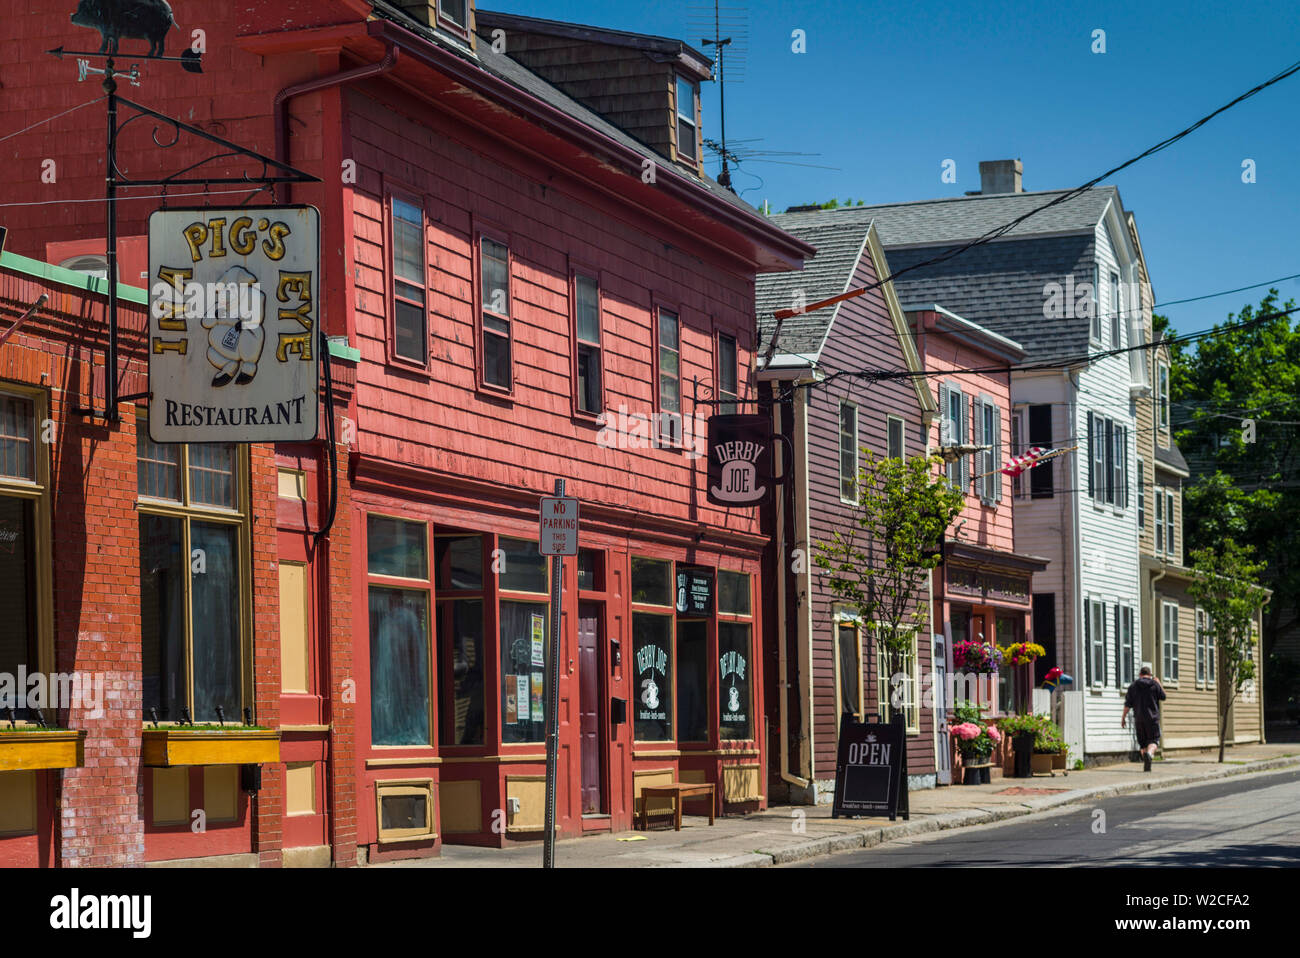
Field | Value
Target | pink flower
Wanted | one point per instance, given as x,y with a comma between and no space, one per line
995,735
966,731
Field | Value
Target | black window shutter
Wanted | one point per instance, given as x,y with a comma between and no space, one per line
1040,434
1119,655
1110,461
1087,641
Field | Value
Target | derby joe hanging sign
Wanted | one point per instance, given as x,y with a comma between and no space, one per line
233,307
739,459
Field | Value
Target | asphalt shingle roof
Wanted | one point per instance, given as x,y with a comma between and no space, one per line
1000,284
829,273
946,221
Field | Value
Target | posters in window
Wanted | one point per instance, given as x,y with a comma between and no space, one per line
539,636
536,704
694,591
523,697
512,700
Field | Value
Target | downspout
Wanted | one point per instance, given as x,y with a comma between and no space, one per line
281,103
782,600
1077,559
1156,623
280,112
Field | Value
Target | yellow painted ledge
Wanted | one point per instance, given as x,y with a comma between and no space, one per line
21,751
166,747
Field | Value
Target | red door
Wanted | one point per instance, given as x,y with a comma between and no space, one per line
589,708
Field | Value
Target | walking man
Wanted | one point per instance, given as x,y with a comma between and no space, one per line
1144,697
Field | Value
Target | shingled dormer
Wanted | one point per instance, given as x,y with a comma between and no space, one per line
648,86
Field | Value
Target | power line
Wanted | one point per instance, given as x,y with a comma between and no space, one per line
782,314
1066,363
51,119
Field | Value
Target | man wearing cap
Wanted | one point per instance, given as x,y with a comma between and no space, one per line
1144,697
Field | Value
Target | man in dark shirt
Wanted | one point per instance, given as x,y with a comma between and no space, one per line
1144,697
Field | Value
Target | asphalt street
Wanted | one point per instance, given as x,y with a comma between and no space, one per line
1246,821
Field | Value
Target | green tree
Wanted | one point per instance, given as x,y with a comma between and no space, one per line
879,567
1236,404
1223,585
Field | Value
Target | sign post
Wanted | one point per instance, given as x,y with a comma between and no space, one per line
557,537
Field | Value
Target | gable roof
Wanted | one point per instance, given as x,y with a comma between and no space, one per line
735,213
960,218
999,285
828,273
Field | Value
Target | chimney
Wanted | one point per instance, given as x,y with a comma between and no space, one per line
1001,176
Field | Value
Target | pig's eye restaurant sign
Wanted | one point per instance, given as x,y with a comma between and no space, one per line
233,307
739,459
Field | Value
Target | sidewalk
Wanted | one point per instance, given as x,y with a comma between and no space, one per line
790,833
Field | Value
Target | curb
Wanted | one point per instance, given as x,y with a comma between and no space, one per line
870,837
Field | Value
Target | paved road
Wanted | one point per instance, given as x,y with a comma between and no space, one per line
1253,820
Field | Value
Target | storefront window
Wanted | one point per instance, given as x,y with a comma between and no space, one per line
651,582
733,593
17,586
523,568
462,657
17,426
692,680
591,570
396,547
523,659
458,563
737,720
653,658
399,631
399,666
191,579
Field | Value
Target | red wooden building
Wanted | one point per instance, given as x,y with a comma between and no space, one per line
516,290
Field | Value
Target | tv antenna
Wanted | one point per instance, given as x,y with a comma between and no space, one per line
734,20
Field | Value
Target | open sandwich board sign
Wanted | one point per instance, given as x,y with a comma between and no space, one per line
871,769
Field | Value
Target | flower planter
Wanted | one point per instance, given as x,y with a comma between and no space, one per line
238,745
1042,763
1058,760
46,748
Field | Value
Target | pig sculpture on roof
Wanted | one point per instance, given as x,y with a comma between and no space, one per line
143,19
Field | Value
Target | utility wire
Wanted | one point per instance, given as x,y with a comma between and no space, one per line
51,119
783,314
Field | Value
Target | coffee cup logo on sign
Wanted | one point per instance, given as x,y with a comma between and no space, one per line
738,446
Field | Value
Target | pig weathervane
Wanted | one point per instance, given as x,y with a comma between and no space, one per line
233,357
150,20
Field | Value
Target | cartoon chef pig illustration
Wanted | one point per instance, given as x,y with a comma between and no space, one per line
234,324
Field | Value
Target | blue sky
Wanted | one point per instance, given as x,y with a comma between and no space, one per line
885,93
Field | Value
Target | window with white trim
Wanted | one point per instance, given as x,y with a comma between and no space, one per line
686,128
898,692
1115,312
1170,549
1123,646
586,309
848,452
896,429
1169,641
1094,621
1162,395
1205,650
1108,475
728,374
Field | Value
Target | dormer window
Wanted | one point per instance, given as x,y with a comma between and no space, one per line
453,13
687,131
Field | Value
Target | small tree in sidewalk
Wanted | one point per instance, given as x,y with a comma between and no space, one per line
878,568
1224,585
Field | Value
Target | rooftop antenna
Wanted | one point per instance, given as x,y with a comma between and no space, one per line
721,43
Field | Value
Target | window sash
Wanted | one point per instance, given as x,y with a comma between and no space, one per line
1169,640
17,430
686,130
728,373
1141,496
1115,311
670,373
1163,394
408,246
896,441
848,452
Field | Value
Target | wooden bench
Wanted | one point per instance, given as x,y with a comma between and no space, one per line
677,793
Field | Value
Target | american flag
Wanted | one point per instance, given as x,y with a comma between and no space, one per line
1018,464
